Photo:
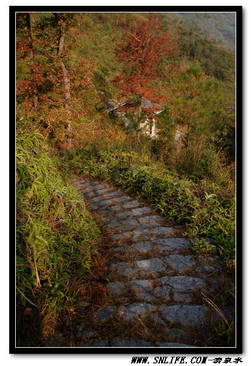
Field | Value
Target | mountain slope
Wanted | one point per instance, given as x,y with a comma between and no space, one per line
219,27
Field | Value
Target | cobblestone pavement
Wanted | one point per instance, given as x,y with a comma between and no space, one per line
157,285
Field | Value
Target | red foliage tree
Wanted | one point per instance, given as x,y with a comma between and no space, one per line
142,52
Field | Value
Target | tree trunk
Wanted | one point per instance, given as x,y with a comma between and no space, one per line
66,79
29,31
67,84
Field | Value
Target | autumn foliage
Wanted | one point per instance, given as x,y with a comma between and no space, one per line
142,51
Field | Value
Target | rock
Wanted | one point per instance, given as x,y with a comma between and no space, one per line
149,268
106,190
164,292
207,269
143,246
139,287
117,342
123,214
97,199
119,266
176,334
128,224
119,249
97,186
173,345
173,243
184,298
115,208
118,195
150,220
93,206
106,313
98,343
88,334
113,224
150,233
116,288
152,264
140,211
123,269
183,283
163,230
109,202
131,204
180,263
185,315
86,185
90,194
121,236
157,320
142,232
140,294
134,310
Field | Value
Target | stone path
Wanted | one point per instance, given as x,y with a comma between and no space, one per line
157,287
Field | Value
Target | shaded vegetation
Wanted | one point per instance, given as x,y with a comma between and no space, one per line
56,236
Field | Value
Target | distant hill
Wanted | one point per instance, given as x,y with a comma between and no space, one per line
219,27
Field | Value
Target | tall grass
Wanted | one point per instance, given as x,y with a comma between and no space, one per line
56,235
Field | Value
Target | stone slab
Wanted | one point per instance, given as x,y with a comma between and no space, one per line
98,344
143,247
176,334
183,298
183,283
152,264
163,230
151,220
185,315
132,204
130,311
105,196
173,243
173,345
106,313
141,211
116,288
163,292
117,342
122,236
180,263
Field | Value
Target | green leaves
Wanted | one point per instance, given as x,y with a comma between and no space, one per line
55,234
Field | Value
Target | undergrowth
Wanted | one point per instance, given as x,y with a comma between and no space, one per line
56,235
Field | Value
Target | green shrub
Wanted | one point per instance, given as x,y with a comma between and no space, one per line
56,235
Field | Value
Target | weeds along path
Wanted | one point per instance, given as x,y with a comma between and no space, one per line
158,292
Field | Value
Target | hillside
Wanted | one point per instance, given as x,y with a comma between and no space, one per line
219,27
142,108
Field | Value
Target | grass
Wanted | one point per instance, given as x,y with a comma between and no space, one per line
56,235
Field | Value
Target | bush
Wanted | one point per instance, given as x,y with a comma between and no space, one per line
56,235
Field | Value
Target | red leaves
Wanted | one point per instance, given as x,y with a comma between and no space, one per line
29,86
22,47
142,51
